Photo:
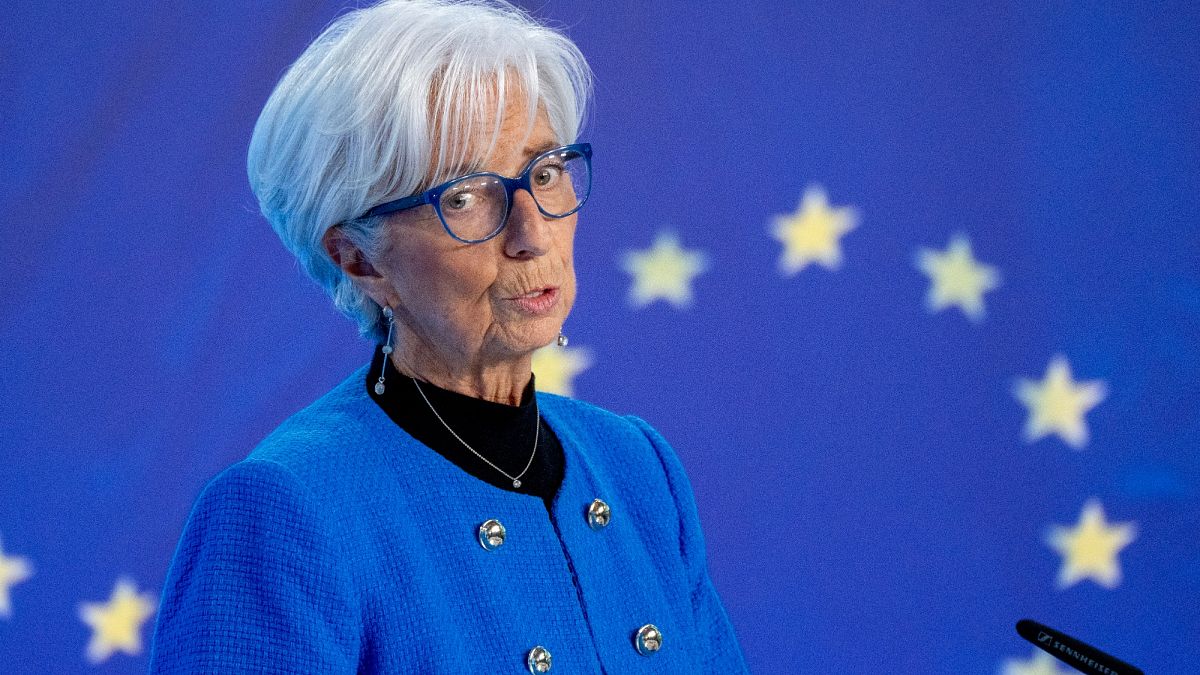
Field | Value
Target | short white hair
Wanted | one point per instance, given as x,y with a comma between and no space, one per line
357,119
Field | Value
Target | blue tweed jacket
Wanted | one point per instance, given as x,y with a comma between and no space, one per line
343,545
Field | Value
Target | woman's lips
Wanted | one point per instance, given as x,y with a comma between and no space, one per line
540,301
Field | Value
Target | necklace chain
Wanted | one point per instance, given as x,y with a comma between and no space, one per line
536,431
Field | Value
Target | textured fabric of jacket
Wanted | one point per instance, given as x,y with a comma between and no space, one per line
343,545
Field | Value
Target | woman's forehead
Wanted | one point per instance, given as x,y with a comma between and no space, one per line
501,144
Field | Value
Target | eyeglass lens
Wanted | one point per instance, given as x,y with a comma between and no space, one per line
473,207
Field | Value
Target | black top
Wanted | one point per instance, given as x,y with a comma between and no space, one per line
502,433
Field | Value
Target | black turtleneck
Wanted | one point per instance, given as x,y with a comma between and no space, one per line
502,433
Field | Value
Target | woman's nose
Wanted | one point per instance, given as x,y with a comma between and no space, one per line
527,233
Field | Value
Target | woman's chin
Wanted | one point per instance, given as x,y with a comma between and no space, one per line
524,340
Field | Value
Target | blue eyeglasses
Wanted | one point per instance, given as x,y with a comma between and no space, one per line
475,207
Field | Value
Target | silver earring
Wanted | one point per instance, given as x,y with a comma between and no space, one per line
387,350
562,339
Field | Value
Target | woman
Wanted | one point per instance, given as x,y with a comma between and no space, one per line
432,513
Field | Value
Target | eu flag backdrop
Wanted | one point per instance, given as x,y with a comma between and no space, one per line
913,289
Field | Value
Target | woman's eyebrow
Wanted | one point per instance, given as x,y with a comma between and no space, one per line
532,151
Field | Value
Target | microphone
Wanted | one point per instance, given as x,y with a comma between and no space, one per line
1082,657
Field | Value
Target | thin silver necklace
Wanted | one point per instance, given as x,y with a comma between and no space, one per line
536,430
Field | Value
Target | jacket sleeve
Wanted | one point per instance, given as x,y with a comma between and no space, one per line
258,583
723,654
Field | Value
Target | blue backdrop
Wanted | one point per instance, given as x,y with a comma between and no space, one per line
913,289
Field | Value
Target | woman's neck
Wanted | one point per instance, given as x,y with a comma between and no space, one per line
500,382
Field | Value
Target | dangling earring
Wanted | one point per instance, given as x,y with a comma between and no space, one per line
387,350
562,339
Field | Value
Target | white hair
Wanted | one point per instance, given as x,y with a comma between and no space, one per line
357,119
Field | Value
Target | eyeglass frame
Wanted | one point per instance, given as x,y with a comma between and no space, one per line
433,196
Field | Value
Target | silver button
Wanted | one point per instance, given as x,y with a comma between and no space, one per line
491,534
648,640
538,660
598,514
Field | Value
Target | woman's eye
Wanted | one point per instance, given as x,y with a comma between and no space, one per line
547,175
459,200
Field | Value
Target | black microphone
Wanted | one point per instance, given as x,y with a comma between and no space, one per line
1082,657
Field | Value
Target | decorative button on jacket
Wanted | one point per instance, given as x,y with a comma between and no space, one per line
539,660
599,514
491,534
648,640
343,545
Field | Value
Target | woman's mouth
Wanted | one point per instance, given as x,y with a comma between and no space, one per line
539,301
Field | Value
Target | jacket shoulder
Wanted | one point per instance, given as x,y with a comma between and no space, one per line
574,416
327,437
620,438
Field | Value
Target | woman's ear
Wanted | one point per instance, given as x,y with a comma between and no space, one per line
349,257
346,255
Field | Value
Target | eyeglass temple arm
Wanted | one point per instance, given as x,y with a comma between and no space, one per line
398,205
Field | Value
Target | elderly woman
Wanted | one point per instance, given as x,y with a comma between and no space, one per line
432,513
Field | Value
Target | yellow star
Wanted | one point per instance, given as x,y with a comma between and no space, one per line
13,570
958,278
1057,404
1089,549
664,271
1041,664
555,368
813,233
117,624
